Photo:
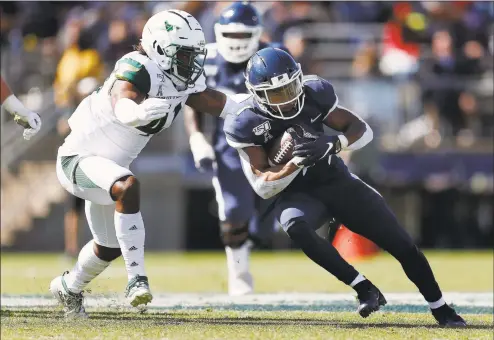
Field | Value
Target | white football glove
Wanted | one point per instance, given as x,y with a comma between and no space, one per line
34,122
202,151
130,113
31,121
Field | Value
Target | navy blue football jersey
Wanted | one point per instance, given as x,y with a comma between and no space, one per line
253,127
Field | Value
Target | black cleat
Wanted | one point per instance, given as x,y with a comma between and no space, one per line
447,317
370,299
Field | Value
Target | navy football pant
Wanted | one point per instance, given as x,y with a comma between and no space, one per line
362,210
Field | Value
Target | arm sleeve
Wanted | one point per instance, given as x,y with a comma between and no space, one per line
262,188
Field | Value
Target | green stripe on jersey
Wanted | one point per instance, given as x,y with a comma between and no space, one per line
134,72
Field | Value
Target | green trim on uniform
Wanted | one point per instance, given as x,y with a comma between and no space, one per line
71,168
135,73
68,164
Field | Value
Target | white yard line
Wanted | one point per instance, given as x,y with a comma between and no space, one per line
289,300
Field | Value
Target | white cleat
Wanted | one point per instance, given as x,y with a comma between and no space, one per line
239,285
138,293
72,303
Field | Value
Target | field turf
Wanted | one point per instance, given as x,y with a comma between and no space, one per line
296,300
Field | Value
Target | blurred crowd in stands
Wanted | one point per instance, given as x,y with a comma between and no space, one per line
446,47
420,72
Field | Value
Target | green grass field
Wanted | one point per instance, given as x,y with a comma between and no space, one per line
202,311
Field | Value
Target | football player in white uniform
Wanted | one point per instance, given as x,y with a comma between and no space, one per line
145,92
31,121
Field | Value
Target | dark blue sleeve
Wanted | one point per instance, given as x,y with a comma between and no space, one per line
239,130
322,92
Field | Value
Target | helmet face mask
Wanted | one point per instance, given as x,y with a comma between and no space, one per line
238,32
174,40
187,63
285,101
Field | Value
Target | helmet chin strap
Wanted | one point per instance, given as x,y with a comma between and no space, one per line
178,83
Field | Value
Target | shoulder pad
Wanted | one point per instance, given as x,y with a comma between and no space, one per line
239,128
134,72
321,93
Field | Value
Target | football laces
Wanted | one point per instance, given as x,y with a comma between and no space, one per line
283,151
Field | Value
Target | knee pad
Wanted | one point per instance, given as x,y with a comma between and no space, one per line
234,236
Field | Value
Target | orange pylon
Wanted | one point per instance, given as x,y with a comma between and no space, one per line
352,246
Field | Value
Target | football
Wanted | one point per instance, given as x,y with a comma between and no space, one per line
280,149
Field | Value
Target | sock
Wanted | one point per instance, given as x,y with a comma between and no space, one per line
363,287
237,260
437,304
131,235
88,266
357,280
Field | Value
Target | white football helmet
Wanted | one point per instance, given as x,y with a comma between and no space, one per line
174,40
238,32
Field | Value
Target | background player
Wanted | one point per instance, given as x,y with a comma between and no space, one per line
31,121
146,91
238,32
316,180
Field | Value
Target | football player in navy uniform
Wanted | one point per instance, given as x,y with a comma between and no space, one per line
316,181
238,31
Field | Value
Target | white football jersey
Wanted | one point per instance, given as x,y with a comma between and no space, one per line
95,130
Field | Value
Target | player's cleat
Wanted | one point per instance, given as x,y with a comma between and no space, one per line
370,300
72,302
138,292
242,284
447,317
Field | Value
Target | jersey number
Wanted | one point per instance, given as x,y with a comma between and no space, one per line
157,125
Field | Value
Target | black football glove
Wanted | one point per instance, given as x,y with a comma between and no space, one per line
302,134
316,149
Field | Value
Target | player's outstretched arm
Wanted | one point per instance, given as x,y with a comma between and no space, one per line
192,121
202,151
266,180
30,121
214,102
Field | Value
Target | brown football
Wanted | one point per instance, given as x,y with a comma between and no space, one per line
280,149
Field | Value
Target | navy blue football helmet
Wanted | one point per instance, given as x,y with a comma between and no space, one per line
275,80
238,31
